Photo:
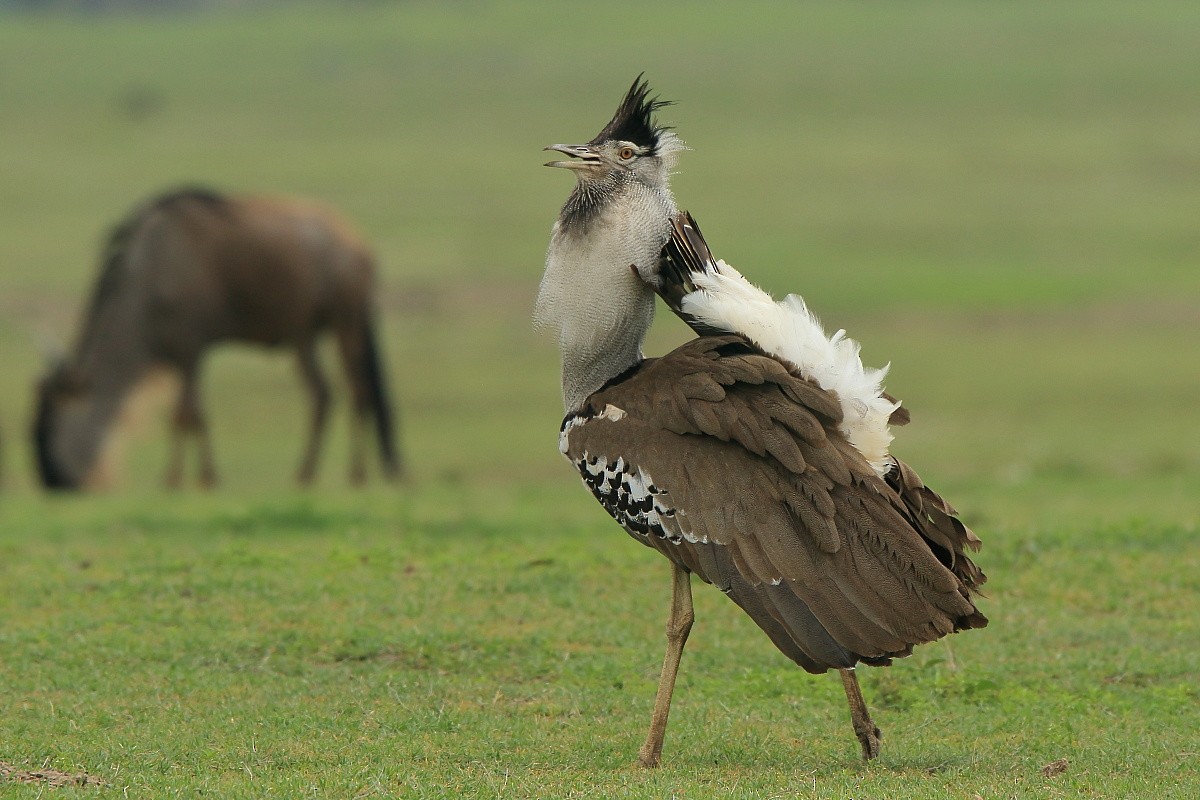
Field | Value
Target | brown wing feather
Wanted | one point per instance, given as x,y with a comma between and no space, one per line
720,458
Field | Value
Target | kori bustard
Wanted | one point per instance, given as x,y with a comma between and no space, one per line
755,456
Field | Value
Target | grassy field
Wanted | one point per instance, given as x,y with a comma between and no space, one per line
997,198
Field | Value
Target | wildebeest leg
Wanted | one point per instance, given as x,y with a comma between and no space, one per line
351,343
174,476
189,419
318,388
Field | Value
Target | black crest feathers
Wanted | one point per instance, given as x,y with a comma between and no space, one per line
634,120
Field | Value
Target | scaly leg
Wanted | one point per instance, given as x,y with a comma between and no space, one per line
868,735
679,625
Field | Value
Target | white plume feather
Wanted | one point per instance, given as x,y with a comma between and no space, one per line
788,330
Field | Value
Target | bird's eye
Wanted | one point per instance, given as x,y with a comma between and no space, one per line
626,153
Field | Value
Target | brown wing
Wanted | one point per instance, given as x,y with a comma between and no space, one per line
732,467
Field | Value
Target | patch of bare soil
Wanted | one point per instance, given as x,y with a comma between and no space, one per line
50,777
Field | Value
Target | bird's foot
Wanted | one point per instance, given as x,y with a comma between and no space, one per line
649,757
868,736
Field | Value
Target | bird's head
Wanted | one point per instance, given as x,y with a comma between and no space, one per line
631,146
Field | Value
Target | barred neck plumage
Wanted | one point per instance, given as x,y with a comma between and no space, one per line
588,200
589,296
618,216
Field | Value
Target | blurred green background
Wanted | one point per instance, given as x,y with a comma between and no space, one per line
1000,199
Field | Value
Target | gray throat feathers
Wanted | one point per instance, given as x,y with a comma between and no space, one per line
599,308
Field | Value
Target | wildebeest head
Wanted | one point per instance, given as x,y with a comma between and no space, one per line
64,446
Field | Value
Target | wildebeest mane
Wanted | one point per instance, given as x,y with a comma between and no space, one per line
116,246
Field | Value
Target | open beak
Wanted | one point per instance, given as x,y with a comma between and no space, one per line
583,156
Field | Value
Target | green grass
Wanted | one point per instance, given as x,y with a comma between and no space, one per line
506,642
997,198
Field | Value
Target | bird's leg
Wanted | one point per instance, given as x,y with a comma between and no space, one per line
868,735
679,625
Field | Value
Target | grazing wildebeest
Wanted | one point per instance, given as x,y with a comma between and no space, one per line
193,268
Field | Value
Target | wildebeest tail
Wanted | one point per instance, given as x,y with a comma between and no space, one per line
381,408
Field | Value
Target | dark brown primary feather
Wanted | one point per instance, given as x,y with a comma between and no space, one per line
684,254
733,467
